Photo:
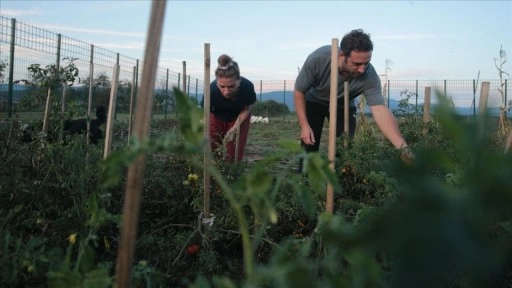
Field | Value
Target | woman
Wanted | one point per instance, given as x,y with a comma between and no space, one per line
230,98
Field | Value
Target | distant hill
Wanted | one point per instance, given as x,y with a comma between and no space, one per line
18,92
286,97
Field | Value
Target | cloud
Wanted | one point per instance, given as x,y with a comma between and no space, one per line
406,37
20,12
92,31
130,45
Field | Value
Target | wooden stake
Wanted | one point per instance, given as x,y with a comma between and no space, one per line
508,142
206,105
135,176
237,138
111,111
333,106
426,109
47,111
346,95
484,97
482,106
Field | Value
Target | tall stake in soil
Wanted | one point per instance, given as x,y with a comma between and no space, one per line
206,105
333,103
141,131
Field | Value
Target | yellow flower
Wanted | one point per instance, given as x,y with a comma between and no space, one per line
186,183
72,238
192,177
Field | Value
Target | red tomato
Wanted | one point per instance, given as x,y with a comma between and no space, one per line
193,249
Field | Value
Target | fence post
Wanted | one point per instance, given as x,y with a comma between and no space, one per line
389,89
184,77
166,92
11,68
197,87
179,80
91,85
261,85
416,96
136,86
284,96
188,85
474,97
59,37
62,100
117,85
130,110
505,90
426,109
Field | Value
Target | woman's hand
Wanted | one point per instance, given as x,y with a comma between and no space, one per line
230,135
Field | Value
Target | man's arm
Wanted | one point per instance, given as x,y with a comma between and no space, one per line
306,134
388,125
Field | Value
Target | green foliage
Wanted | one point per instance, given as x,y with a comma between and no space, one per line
269,108
43,79
52,76
437,222
3,66
404,105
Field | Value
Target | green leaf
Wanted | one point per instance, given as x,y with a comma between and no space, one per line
97,278
63,279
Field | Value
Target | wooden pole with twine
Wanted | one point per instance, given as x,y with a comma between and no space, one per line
131,204
237,138
111,112
206,149
333,107
346,97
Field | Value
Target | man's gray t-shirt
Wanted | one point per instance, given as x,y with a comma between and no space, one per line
314,80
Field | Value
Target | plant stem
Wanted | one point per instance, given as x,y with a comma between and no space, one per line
242,223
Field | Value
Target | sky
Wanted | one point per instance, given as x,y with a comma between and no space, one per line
423,40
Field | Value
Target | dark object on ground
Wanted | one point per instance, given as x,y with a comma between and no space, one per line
79,126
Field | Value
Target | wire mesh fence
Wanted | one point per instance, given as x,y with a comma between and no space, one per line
22,45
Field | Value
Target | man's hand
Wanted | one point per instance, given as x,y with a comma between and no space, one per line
307,136
406,154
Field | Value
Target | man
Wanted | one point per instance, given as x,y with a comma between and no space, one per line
312,92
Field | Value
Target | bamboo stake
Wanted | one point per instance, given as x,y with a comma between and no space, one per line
508,142
206,105
47,111
135,176
111,111
333,103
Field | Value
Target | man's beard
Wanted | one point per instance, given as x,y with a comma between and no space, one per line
350,75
